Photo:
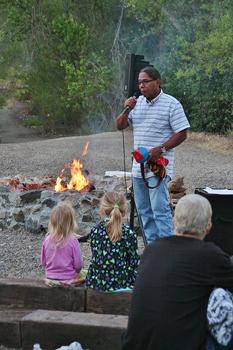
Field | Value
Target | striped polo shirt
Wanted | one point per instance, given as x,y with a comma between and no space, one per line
154,122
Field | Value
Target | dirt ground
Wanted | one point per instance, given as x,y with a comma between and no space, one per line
11,128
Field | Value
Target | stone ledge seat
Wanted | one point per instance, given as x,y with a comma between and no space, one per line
31,312
53,329
10,331
33,294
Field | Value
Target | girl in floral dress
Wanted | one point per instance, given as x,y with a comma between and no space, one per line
114,248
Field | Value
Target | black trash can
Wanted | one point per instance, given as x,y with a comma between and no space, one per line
222,231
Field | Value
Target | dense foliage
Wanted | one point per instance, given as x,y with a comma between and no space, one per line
68,57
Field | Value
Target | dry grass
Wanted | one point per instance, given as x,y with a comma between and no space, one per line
217,143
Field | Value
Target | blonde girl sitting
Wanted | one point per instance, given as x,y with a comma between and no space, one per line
60,252
114,248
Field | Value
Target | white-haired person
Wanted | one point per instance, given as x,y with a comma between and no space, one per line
175,278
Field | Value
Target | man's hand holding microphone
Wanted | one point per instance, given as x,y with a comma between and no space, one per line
129,104
122,119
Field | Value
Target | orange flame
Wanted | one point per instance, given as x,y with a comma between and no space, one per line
78,180
85,149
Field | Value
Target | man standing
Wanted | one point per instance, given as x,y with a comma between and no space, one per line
159,124
175,278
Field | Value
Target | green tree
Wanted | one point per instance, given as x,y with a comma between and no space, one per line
70,56
194,53
63,58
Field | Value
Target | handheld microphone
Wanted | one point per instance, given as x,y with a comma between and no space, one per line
129,108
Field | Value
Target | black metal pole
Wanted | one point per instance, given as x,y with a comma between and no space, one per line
133,209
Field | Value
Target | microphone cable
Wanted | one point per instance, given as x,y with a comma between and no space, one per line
124,163
128,195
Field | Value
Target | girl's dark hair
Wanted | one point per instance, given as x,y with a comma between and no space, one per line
152,72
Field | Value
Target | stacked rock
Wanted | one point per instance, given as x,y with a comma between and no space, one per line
176,190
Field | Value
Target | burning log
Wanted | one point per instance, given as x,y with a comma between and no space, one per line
73,176
20,183
77,179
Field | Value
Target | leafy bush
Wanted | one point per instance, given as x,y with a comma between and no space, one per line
33,121
201,76
22,94
2,101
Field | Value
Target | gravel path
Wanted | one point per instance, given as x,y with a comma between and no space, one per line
11,129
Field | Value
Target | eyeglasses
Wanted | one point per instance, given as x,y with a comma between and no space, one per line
145,81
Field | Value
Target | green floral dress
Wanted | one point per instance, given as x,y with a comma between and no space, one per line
114,264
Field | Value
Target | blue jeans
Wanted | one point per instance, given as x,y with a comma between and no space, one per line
153,206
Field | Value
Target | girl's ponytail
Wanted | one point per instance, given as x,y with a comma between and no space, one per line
113,205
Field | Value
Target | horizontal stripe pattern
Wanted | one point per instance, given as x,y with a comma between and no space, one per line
154,122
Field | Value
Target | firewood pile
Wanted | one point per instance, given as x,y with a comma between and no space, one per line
176,190
21,183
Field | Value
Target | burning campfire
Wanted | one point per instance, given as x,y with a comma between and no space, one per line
72,177
77,179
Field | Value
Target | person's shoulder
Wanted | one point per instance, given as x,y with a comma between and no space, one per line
125,226
46,238
158,244
70,241
212,248
216,256
126,229
209,250
73,238
98,227
140,100
169,98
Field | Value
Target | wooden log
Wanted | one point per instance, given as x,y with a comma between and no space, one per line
53,329
10,332
34,294
117,303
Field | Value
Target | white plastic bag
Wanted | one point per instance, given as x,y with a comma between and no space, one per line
36,347
73,346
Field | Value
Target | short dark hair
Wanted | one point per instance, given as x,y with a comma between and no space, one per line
152,72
